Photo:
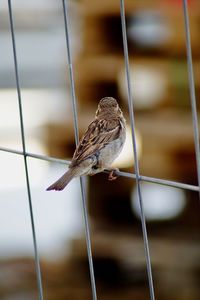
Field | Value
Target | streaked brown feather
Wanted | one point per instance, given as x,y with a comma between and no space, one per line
99,133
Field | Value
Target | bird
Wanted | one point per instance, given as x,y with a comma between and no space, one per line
100,145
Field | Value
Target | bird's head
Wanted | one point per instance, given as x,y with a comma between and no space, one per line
108,105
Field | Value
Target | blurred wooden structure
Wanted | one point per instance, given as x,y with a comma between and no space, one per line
167,152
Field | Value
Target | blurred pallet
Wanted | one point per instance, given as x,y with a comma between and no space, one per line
105,67
102,26
122,259
121,245
101,60
120,271
104,7
101,75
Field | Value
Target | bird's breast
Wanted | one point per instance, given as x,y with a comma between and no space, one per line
110,152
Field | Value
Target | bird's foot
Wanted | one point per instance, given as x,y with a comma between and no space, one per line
112,175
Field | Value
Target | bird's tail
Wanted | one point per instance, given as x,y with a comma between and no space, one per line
61,183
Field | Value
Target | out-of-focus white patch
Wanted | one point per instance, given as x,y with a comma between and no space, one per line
149,29
148,85
160,202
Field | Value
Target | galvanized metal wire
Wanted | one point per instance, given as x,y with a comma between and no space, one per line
164,182
37,262
75,119
135,176
136,161
192,88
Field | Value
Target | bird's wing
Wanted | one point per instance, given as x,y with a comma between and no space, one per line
98,134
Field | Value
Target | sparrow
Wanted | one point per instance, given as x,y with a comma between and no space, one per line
99,146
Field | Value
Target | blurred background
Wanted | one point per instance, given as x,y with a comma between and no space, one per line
156,39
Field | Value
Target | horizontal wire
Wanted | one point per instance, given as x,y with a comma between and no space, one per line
33,155
170,183
165,182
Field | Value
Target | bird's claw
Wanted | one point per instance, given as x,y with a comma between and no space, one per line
112,175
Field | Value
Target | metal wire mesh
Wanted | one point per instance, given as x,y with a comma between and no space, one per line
135,176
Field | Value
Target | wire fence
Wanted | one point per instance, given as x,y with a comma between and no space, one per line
137,177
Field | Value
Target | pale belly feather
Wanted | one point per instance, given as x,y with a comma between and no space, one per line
108,154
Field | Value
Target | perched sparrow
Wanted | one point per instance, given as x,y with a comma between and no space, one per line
99,146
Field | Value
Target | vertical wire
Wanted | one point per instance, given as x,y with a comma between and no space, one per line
37,262
132,120
71,73
192,88
75,119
